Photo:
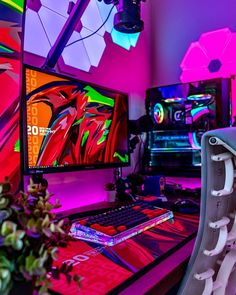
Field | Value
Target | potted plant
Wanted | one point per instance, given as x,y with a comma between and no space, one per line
29,240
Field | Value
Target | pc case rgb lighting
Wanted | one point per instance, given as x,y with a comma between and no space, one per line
181,114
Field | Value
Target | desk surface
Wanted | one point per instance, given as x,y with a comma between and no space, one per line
107,269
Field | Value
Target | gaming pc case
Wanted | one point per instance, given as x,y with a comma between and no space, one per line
181,114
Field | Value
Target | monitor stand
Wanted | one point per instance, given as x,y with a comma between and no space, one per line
41,182
37,178
117,172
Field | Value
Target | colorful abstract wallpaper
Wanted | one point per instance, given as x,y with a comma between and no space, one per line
10,72
72,123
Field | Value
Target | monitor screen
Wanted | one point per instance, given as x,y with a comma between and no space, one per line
71,125
181,114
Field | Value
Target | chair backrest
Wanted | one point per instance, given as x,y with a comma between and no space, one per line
211,268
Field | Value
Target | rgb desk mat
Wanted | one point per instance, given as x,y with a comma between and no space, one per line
104,268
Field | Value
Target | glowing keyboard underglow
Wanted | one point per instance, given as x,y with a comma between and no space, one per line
114,226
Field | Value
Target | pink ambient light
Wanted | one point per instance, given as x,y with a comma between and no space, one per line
213,55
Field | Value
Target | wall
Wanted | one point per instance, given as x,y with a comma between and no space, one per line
177,23
126,71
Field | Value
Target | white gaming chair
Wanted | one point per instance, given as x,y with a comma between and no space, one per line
212,266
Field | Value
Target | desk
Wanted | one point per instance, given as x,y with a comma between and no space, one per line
135,266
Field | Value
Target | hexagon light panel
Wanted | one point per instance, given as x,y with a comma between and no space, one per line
45,19
213,55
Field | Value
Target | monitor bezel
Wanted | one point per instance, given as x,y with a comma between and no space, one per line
24,138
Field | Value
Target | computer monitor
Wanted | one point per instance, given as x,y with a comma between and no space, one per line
71,125
182,113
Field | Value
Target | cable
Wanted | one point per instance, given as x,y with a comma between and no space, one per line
141,145
94,31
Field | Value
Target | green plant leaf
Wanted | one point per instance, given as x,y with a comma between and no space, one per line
4,273
52,227
31,223
6,267
60,223
37,264
40,204
17,245
20,234
41,250
47,232
54,253
59,230
4,202
29,263
8,227
4,214
5,285
4,262
37,212
45,255
30,235
48,206
46,221
9,240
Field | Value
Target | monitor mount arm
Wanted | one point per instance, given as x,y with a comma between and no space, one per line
65,34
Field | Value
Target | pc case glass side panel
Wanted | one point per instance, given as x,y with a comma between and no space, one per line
182,113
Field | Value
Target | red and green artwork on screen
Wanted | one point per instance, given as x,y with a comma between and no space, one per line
72,125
